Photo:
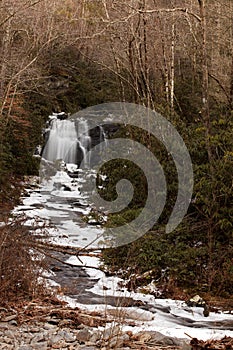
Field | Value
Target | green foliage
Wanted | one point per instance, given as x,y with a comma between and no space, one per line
198,254
118,169
73,84
5,162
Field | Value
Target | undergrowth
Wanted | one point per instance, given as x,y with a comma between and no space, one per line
21,264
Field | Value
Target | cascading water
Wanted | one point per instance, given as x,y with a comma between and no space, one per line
62,142
71,141
102,136
63,185
68,141
64,206
84,141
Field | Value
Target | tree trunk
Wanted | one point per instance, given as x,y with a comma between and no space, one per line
205,113
172,68
231,74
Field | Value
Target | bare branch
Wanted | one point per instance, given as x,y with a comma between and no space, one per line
221,86
172,10
18,11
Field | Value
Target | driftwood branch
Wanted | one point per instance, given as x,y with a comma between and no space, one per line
66,249
47,249
66,263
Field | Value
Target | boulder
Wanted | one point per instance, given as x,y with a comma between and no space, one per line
196,301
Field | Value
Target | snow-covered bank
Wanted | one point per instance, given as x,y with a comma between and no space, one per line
169,317
61,204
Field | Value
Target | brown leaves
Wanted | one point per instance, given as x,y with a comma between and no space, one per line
20,266
50,310
225,343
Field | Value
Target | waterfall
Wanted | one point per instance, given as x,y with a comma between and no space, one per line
102,137
84,141
62,141
71,141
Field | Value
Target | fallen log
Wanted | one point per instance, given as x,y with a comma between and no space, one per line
67,249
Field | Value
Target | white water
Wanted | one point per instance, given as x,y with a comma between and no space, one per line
84,142
65,139
62,142
103,138
53,204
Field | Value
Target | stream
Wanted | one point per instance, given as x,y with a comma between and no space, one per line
61,204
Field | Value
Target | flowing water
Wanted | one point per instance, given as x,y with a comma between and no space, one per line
62,142
62,202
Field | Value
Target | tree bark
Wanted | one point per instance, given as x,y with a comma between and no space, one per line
205,113
172,84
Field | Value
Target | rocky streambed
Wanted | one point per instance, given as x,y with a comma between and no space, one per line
62,203
42,326
43,336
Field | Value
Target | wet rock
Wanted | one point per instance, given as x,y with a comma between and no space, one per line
43,336
95,337
67,336
196,301
62,116
55,339
157,338
40,346
118,341
84,335
65,188
38,338
206,310
53,321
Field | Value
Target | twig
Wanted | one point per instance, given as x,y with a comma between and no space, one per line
188,335
64,262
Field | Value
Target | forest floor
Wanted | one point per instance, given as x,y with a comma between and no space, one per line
10,196
50,324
